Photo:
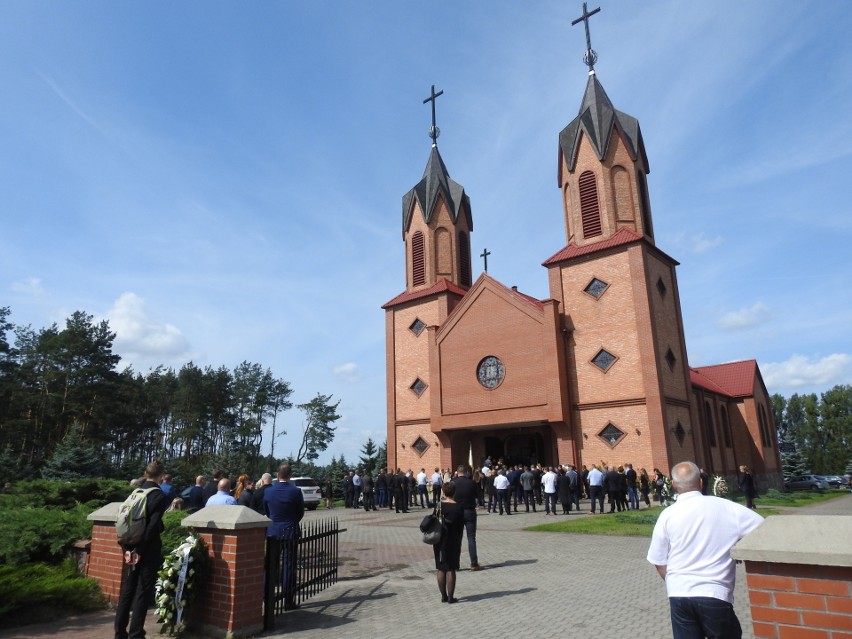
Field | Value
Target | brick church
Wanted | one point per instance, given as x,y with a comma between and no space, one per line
598,371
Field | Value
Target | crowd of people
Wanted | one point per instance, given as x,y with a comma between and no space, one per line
503,488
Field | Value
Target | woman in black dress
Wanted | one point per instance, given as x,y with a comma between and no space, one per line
563,491
644,486
746,482
448,551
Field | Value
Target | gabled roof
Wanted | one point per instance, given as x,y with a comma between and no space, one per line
442,285
596,120
485,281
621,237
735,379
436,181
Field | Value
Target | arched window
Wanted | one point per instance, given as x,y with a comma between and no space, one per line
418,261
443,252
764,427
711,429
464,259
726,427
589,206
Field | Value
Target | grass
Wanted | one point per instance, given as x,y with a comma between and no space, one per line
795,499
632,523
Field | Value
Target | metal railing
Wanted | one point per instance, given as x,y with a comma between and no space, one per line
300,567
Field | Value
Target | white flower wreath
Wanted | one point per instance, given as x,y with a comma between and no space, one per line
177,583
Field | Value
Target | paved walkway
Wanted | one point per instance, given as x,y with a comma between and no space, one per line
533,584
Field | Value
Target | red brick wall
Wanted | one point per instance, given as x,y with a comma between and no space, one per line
795,601
234,594
106,560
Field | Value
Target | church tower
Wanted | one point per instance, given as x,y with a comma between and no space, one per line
629,376
436,227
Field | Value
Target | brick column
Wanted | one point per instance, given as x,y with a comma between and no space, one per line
105,556
233,600
799,572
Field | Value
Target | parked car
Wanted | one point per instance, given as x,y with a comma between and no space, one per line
834,481
807,482
310,491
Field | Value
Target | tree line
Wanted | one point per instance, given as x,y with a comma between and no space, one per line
815,432
63,400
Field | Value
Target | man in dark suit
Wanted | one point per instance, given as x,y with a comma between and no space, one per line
466,498
399,483
285,506
611,483
211,487
632,490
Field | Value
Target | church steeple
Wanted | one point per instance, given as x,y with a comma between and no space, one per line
602,166
436,223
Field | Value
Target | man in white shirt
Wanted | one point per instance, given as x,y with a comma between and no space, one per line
548,485
691,548
501,485
596,488
422,488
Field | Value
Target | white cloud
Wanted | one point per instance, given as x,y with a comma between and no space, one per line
701,244
30,286
348,373
141,339
744,318
798,371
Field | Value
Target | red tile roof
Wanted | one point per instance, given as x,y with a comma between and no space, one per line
735,379
623,236
440,286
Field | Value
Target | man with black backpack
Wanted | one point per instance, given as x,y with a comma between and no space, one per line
143,554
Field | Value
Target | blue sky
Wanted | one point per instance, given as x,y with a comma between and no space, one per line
223,180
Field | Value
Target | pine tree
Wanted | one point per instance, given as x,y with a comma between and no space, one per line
74,457
369,456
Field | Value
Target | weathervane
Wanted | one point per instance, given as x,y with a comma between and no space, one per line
589,57
434,131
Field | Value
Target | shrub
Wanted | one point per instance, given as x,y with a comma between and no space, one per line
57,494
40,534
174,534
37,592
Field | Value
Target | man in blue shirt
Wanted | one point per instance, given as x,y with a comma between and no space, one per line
223,497
285,506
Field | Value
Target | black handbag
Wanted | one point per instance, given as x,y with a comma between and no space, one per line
432,526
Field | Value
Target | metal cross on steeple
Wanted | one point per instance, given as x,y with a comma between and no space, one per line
484,255
434,131
589,57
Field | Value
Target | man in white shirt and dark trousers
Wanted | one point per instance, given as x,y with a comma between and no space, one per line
691,548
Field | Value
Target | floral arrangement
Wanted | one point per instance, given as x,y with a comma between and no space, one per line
668,492
720,486
178,582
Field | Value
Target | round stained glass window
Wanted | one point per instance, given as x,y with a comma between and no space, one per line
490,372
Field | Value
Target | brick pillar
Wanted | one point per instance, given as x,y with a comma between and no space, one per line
233,601
796,601
799,572
105,556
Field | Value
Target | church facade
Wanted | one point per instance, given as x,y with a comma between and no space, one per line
597,372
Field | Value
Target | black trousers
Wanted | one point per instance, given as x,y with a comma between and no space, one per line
596,495
137,594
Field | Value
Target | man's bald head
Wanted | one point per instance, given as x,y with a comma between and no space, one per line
686,477
224,485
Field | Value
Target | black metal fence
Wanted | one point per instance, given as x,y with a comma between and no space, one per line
300,567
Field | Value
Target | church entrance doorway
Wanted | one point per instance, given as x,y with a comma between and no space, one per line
519,448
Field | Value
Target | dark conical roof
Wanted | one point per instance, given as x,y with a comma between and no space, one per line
436,181
596,120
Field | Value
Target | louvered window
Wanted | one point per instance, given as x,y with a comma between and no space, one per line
464,259
589,207
418,261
